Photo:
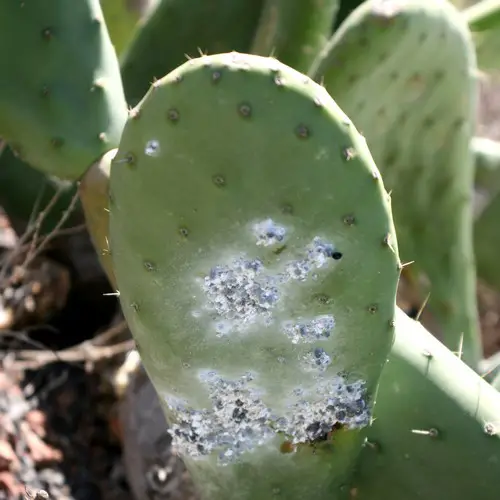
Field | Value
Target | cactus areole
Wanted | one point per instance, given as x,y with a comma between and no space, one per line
257,265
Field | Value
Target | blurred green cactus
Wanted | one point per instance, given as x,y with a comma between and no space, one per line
240,209
419,129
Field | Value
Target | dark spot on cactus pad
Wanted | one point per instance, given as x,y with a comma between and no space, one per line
129,159
245,110
373,308
279,250
306,331
323,299
349,220
149,266
317,254
433,432
383,57
352,79
183,231
267,232
219,180
387,240
336,255
178,78
438,75
390,157
459,123
287,447
173,115
302,131
45,91
216,76
47,33
429,121
57,142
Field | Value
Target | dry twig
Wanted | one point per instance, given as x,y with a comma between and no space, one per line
89,351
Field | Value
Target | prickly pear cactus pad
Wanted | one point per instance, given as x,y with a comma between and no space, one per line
436,429
404,71
257,266
61,99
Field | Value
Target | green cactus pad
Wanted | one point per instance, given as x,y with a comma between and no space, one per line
404,71
294,31
436,432
177,29
61,100
257,266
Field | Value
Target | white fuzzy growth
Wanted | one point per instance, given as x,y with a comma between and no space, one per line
307,331
152,148
239,421
316,360
239,294
244,292
268,232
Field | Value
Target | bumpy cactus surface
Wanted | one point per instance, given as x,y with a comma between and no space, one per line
63,106
418,119
261,291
